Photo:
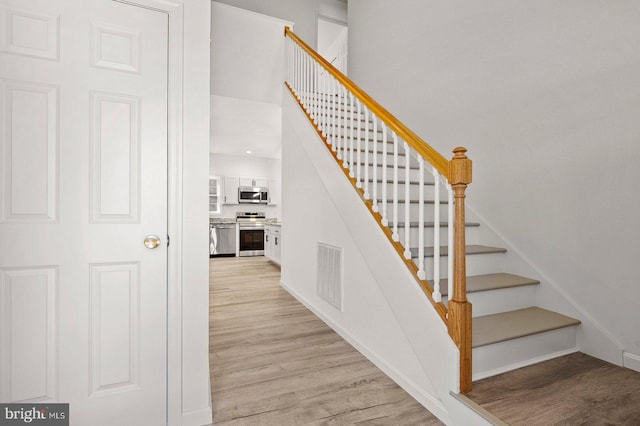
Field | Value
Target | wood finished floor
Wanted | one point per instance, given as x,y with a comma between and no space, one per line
572,390
275,363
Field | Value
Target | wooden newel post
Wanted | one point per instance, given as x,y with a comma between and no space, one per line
459,307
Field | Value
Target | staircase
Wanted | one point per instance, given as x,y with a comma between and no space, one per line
414,205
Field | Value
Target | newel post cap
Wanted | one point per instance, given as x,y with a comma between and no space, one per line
460,167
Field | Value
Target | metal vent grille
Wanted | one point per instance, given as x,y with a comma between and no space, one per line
330,274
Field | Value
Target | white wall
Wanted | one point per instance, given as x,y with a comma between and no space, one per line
546,97
247,166
238,125
301,12
385,314
247,54
196,401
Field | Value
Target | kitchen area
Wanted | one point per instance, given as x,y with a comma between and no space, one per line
247,69
244,210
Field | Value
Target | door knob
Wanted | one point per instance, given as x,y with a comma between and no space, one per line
151,241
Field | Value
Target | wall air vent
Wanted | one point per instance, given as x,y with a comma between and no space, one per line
330,274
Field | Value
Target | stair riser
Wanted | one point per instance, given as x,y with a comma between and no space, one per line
505,356
501,300
369,145
477,264
414,175
428,235
368,160
414,192
414,211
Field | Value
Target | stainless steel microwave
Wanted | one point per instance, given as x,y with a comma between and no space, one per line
253,195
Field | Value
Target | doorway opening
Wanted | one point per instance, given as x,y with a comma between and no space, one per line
332,37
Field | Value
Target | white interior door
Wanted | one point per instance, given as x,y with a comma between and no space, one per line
83,173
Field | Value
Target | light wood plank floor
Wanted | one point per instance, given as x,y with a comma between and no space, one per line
572,390
275,363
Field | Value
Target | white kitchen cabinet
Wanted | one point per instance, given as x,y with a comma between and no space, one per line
215,196
272,243
254,181
230,189
274,192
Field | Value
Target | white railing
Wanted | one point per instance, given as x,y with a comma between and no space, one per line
361,141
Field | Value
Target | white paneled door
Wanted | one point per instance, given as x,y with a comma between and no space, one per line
83,174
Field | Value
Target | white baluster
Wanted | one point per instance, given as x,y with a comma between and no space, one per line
396,236
289,62
314,90
359,150
436,237
295,71
342,121
366,154
305,83
385,218
421,273
309,74
339,129
450,243
332,114
323,101
352,133
298,72
334,130
375,163
407,204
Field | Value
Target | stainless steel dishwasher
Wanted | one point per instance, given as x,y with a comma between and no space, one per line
222,239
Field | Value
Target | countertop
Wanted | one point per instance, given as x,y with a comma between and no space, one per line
268,221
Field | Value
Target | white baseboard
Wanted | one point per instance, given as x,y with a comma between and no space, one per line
197,417
427,400
631,361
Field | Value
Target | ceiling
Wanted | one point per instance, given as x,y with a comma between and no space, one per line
247,71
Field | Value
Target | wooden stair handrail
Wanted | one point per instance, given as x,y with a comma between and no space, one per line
424,149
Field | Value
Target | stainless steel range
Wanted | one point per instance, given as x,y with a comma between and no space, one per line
251,230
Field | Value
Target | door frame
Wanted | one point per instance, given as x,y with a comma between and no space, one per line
175,14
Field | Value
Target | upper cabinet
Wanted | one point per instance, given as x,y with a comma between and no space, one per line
274,192
255,182
230,189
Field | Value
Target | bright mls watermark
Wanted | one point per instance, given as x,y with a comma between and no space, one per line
34,414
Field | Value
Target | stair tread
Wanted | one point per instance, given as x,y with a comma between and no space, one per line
402,182
471,249
429,224
389,166
510,325
477,283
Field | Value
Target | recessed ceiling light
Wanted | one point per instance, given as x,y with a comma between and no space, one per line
248,151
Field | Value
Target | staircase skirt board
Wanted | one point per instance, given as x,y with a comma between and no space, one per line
481,411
